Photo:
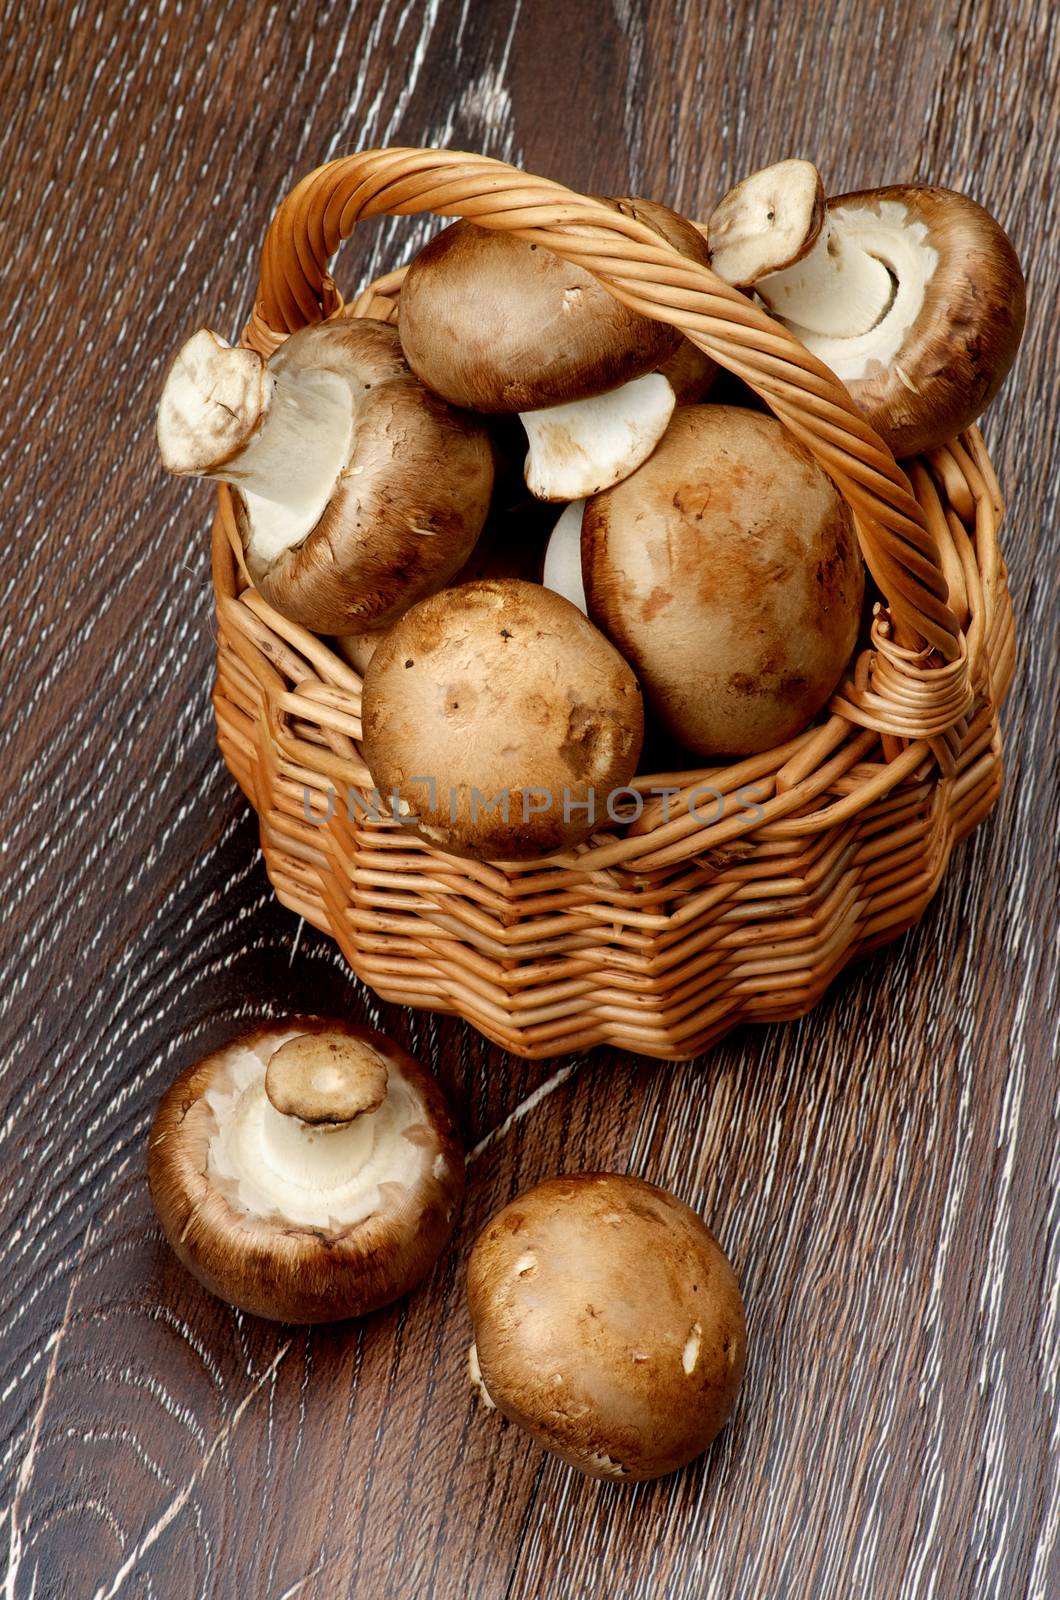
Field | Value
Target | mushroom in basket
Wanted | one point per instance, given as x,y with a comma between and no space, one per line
499,722
308,1171
359,491
608,1323
495,324
912,295
727,573
768,222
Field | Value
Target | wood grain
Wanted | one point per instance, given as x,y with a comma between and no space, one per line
885,1173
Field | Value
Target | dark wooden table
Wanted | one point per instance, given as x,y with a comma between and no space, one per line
884,1175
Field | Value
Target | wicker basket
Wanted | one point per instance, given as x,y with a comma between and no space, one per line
660,935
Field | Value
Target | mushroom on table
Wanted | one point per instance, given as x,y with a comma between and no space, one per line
307,1171
608,1323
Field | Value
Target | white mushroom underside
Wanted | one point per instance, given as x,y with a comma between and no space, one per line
289,471
562,572
588,445
318,1177
855,297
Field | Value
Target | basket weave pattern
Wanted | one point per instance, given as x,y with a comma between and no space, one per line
658,935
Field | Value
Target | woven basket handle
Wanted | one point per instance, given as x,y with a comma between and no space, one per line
647,274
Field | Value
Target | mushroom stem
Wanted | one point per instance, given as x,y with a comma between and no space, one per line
325,1079
768,222
319,1173
587,445
282,438
321,1156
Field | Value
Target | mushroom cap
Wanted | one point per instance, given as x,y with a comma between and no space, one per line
493,323
726,571
246,1215
516,707
408,506
608,1323
767,222
934,358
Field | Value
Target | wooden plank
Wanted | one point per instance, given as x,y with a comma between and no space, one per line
885,1173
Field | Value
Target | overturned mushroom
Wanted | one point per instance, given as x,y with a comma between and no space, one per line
499,722
307,1171
608,1323
914,298
727,573
768,222
359,490
498,325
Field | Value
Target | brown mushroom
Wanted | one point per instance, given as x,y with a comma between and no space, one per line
607,1323
914,297
493,323
499,721
726,571
359,490
307,1171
